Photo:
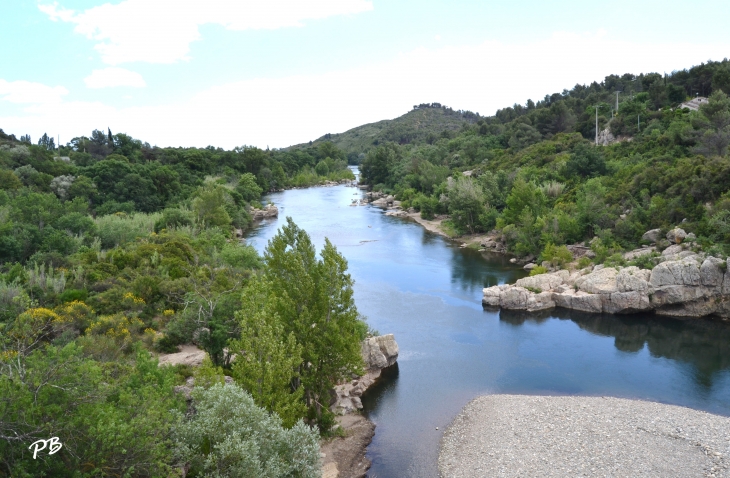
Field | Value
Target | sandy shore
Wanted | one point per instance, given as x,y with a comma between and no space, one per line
526,436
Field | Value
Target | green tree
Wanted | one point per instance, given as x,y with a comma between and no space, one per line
466,203
314,300
267,361
248,188
322,169
209,206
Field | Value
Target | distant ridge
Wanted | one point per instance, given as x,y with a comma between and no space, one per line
425,123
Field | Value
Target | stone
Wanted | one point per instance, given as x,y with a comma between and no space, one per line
633,279
636,253
682,272
652,236
711,274
269,211
530,266
690,237
544,282
626,302
379,352
671,250
676,235
519,298
601,281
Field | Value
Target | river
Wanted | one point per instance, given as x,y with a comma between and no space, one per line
427,291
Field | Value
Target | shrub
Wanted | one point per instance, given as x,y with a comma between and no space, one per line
230,436
538,270
556,255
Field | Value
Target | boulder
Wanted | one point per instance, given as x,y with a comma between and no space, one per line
519,298
633,279
682,272
379,352
601,281
530,266
676,235
711,274
636,253
652,236
268,211
626,302
491,295
672,250
543,282
582,301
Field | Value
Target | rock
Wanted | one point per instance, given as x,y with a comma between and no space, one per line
626,302
269,211
513,260
711,272
683,272
590,254
652,236
636,253
690,237
601,281
676,235
530,266
579,301
671,250
519,298
379,352
543,282
633,279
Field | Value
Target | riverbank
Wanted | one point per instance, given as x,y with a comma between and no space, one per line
518,435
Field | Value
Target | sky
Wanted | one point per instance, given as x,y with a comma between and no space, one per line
274,73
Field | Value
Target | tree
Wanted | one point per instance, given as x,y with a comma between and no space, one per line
713,125
721,80
314,300
230,436
248,188
322,169
523,136
209,206
378,163
586,161
466,202
267,360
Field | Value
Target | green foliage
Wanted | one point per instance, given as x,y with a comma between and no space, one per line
322,169
556,255
230,436
267,360
537,270
313,299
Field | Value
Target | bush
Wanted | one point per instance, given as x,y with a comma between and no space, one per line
538,270
230,436
556,255
322,169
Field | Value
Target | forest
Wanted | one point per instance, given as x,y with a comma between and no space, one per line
534,174
113,251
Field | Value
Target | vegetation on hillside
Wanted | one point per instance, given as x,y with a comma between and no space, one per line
425,123
536,176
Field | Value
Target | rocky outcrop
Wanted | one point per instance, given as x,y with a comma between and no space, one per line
378,353
268,211
685,287
652,236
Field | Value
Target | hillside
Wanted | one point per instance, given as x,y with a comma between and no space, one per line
424,124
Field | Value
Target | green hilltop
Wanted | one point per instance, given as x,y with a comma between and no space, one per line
425,123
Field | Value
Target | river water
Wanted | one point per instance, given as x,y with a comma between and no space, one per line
427,291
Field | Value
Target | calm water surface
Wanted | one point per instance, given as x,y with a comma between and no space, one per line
427,292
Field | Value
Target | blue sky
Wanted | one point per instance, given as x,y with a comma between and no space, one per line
275,73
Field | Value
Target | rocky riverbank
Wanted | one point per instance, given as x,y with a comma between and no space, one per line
685,283
517,435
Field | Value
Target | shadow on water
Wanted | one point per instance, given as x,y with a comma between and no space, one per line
704,344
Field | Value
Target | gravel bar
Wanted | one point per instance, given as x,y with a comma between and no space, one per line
526,435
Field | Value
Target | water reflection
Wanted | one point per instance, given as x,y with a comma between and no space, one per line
702,343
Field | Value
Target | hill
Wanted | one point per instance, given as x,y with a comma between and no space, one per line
425,123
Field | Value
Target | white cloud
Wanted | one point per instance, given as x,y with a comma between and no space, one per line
28,92
278,112
114,76
160,31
